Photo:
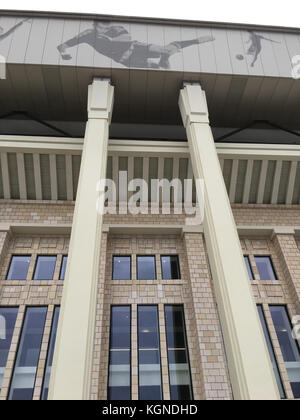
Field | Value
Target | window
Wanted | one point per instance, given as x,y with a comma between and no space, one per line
265,268
8,318
178,359
170,267
22,384
248,266
271,350
47,372
289,347
18,268
150,386
146,268
119,375
121,268
63,267
44,269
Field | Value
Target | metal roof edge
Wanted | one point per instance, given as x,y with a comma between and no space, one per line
151,20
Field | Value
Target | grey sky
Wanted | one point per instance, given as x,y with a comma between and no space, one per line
253,11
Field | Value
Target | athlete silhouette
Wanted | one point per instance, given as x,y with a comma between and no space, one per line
255,47
115,42
4,35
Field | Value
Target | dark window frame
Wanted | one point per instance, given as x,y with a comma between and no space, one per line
112,269
36,262
187,349
10,261
48,348
250,266
19,343
272,348
272,266
155,270
159,348
178,261
130,349
61,266
289,317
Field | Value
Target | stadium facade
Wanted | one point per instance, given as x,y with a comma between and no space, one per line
150,209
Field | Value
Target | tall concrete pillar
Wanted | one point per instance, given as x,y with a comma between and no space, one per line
72,364
249,364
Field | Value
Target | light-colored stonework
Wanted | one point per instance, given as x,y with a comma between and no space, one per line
194,290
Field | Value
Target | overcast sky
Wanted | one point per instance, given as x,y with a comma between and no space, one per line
283,13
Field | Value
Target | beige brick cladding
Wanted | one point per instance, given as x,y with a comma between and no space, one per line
155,292
273,292
289,253
29,292
212,357
194,290
62,213
266,215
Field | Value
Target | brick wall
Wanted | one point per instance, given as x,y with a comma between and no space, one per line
194,290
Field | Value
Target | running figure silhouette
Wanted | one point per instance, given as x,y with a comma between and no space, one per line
115,42
4,35
255,47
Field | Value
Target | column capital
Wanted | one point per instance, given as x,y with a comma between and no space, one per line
193,104
100,99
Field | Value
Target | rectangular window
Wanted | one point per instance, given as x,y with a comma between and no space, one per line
45,266
288,345
150,386
248,266
146,267
119,374
63,267
8,318
265,268
271,350
49,361
170,267
23,379
178,358
121,268
18,267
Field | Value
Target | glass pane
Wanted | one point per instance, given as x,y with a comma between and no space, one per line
22,384
150,386
170,267
8,318
121,268
271,350
249,269
18,268
44,269
119,383
179,368
289,347
265,268
63,267
146,268
50,354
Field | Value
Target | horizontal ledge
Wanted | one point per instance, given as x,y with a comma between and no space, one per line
151,229
32,228
267,231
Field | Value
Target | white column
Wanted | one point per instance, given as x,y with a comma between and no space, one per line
249,364
71,370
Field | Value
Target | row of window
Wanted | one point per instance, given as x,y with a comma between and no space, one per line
149,357
28,352
146,267
44,267
288,345
264,266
